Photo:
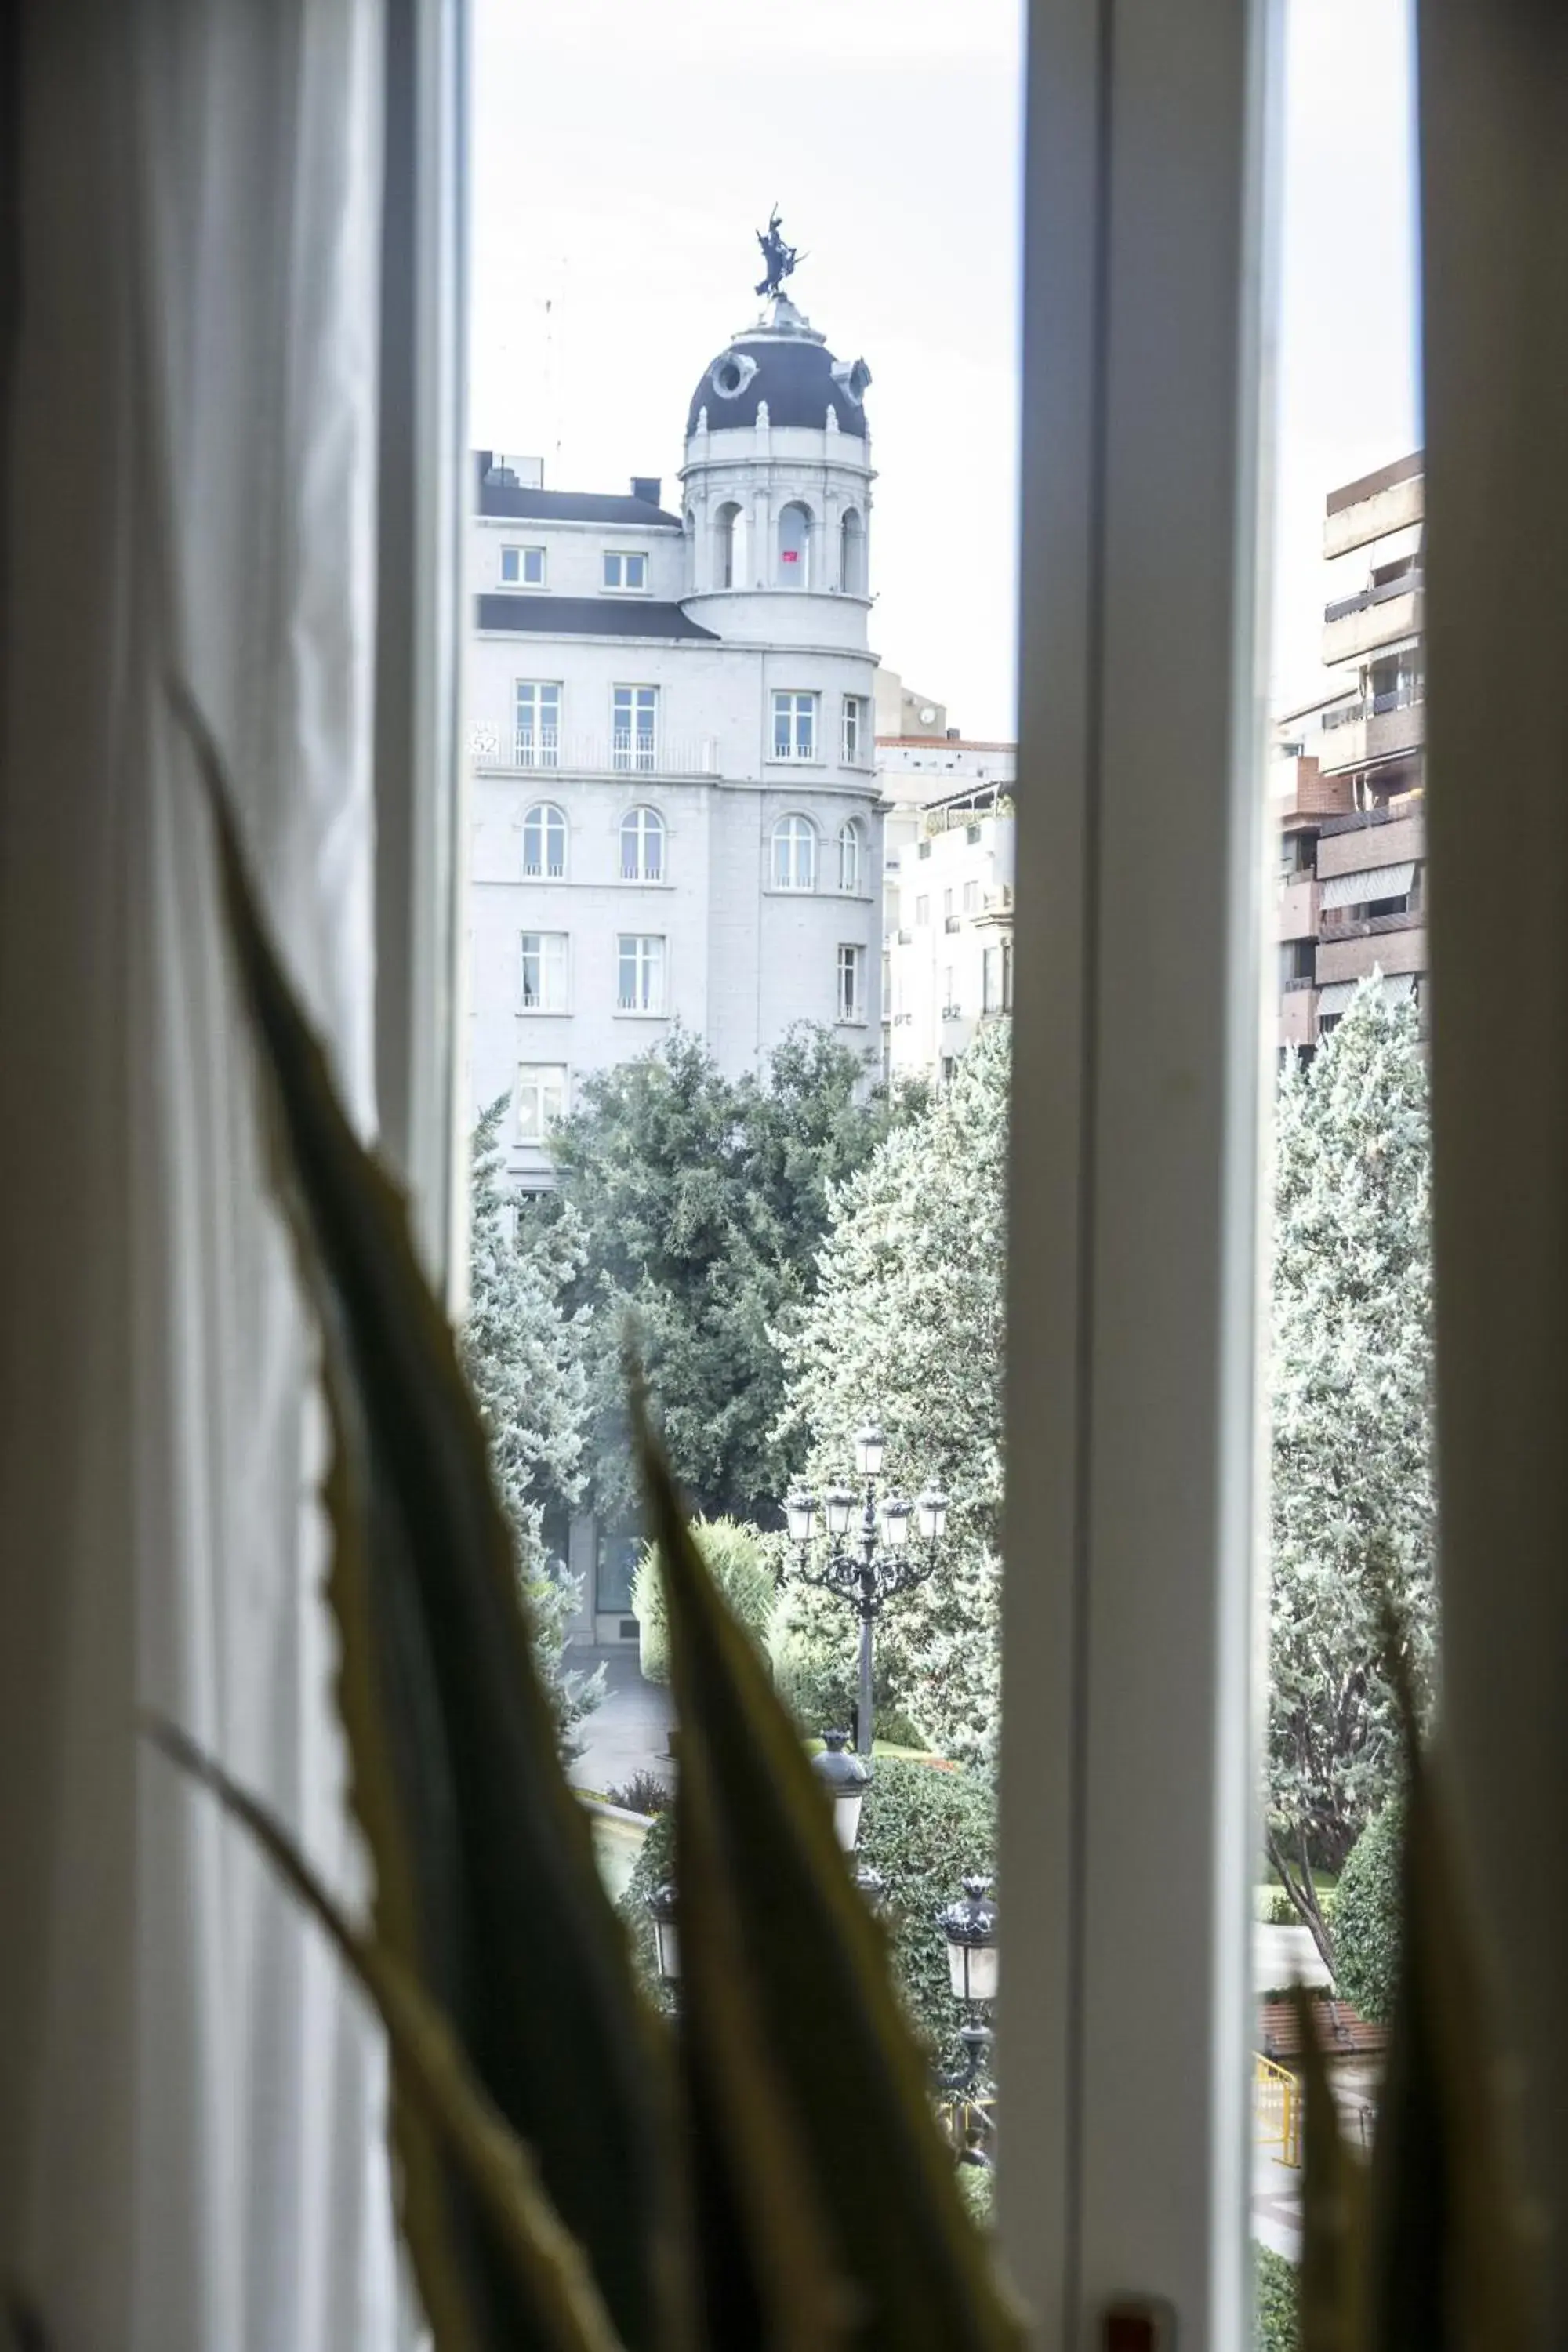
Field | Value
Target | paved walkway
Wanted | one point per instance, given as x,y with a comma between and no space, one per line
629,1731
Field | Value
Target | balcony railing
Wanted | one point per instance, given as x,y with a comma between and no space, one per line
951,922
1408,583
1376,706
1297,980
622,752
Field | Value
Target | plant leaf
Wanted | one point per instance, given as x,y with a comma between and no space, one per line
548,2263
1451,2242
1333,2205
487,1889
809,2025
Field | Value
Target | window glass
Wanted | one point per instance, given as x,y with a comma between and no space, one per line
522,567
794,547
540,1099
625,572
794,854
641,973
849,748
849,856
544,971
851,984
642,845
923,910
538,724
544,843
795,726
634,737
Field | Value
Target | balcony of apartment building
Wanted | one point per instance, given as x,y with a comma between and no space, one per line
1372,728
1374,506
1296,914
1389,608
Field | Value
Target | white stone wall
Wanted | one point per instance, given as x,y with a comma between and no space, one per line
574,555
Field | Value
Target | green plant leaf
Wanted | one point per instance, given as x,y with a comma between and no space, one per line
1452,2247
809,2095
549,2265
486,1886
1333,2205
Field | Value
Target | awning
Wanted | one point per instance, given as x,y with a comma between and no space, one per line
1396,987
1373,882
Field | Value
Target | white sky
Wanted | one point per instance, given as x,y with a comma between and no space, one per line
624,150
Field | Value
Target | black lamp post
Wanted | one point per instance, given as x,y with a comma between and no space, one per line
969,1926
867,1563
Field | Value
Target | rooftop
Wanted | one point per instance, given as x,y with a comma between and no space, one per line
586,616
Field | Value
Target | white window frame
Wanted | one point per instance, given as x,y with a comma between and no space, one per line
650,983
538,743
1133,1363
634,749
800,709
639,826
850,1000
544,812
783,874
544,963
851,858
522,555
851,731
620,559
922,911
533,1118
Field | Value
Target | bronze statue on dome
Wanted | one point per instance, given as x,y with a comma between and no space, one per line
780,257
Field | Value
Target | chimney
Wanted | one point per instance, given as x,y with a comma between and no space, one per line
953,736
647,487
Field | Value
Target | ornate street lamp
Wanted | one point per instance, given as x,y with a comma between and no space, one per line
969,1926
661,1906
846,1779
874,1546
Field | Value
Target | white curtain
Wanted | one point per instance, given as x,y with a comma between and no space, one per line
191,2156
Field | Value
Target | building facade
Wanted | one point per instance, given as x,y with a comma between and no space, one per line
1350,769
948,911
676,816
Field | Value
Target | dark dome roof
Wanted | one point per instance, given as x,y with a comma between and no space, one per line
794,373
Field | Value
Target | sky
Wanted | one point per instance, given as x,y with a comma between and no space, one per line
625,151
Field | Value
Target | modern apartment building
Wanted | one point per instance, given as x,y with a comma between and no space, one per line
1349,776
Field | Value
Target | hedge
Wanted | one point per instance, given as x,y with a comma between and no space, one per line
1366,1916
1277,2324
922,1826
735,1556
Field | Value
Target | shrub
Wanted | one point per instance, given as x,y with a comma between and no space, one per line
815,1654
1366,1915
1275,1909
645,1792
922,1826
977,2185
736,1560
1278,2325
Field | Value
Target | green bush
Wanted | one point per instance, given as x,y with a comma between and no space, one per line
1277,2326
1366,1916
734,1555
977,2186
1275,1909
817,1673
922,1826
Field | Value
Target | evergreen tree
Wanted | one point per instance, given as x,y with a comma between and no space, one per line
906,1329
1353,1507
523,1357
700,1202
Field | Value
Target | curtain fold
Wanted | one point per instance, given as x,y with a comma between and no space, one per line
1494,103
191,2150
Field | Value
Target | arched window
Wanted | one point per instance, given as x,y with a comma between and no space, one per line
850,855
729,547
794,546
544,843
642,845
794,854
852,555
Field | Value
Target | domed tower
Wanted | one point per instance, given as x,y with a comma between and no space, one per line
778,487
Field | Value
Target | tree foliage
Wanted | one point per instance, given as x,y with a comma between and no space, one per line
699,1203
733,1555
906,1329
1367,1915
1353,1510
522,1355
